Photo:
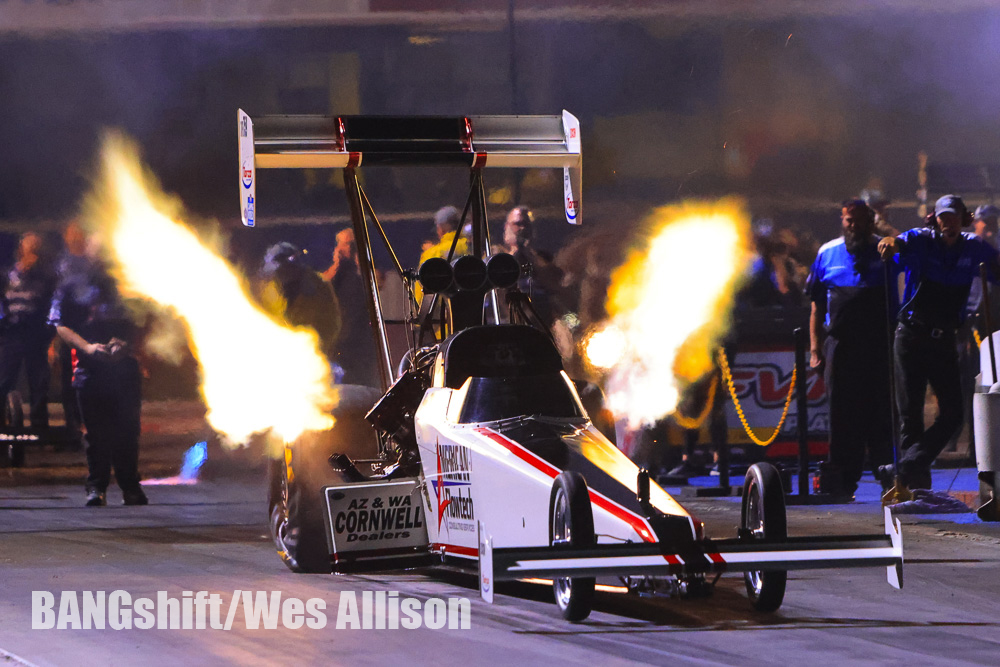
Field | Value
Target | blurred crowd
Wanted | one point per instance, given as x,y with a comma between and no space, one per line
568,288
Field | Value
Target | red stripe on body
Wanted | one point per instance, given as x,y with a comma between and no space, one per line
455,549
716,558
520,452
480,161
353,159
637,522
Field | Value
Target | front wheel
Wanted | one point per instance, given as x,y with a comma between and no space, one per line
571,522
763,518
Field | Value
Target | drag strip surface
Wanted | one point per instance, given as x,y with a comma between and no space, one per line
213,537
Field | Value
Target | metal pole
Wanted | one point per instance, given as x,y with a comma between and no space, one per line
487,250
803,409
723,461
367,267
478,213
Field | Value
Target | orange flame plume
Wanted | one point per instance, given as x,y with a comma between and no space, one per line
669,306
256,375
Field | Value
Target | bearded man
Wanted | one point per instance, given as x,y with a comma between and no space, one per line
848,332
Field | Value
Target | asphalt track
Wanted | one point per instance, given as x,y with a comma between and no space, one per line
212,537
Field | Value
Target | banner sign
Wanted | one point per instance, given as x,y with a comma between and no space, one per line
376,516
761,379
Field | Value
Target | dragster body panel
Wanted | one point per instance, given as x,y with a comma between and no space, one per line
501,473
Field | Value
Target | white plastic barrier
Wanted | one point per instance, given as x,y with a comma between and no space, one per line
986,427
986,377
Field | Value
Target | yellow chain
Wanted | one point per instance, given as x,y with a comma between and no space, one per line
975,335
728,377
695,423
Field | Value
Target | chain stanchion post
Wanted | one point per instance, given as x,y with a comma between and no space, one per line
723,462
802,407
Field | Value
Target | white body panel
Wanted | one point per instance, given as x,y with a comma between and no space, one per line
509,494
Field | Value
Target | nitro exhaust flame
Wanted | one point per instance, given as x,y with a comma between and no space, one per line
669,307
256,376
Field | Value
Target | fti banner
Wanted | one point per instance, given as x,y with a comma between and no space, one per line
762,378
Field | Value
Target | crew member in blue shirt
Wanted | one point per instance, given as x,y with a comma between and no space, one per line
849,333
940,261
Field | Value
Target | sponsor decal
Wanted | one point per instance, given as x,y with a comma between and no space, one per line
248,212
376,516
570,203
246,173
453,485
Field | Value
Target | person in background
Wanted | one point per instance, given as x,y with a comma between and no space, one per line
543,282
293,292
72,270
446,221
24,332
984,226
848,334
941,262
773,274
355,353
89,316
984,223
879,203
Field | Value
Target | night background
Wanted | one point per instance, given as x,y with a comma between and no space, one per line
794,106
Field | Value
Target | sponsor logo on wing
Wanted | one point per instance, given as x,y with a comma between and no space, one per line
246,173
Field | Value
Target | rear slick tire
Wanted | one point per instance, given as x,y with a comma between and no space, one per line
763,518
571,522
296,506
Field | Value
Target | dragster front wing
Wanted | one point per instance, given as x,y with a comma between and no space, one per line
700,557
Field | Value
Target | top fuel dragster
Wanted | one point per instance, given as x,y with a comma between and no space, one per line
477,450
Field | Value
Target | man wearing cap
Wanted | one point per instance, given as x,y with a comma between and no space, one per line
291,291
940,262
848,334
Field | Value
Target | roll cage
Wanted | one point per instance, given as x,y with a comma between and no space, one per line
473,142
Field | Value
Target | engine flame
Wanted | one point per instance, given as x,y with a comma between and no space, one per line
669,307
256,375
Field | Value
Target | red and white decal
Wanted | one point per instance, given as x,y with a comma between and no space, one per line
455,550
638,523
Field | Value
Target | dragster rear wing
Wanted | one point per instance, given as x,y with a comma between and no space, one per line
332,142
705,556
